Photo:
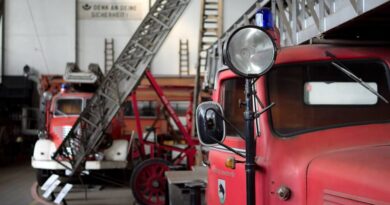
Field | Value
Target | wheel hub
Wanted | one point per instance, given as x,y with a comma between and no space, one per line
155,184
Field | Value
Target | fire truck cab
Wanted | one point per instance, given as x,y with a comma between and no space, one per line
62,111
326,140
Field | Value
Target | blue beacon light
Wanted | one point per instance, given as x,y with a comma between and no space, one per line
264,18
64,87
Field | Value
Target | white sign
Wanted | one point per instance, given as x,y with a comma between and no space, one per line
49,181
51,189
339,93
63,193
109,10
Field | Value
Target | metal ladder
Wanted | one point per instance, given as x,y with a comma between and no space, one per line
297,21
88,131
108,54
184,58
211,28
211,21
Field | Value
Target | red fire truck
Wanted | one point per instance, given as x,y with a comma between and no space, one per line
306,124
62,108
59,111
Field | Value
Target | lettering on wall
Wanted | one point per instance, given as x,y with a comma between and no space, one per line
109,10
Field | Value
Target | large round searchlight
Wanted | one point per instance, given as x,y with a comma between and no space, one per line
250,51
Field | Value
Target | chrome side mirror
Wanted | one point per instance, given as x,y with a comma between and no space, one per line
209,123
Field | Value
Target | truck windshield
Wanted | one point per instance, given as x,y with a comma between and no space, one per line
66,107
316,96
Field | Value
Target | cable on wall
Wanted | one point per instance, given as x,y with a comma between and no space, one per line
37,36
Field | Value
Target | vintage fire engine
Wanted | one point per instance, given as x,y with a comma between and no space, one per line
61,108
303,124
86,139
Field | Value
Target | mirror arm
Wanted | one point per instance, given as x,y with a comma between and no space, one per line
254,81
258,100
254,93
227,147
207,163
264,110
229,123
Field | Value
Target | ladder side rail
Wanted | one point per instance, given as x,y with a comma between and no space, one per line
208,67
187,57
249,14
217,60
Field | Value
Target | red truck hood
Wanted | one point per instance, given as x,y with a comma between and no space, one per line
355,176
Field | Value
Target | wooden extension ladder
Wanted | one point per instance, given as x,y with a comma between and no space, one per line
184,58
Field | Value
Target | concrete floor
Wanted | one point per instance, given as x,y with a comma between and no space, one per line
16,183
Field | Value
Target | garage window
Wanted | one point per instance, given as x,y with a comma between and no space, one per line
180,107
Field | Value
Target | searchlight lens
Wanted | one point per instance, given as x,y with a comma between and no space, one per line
250,51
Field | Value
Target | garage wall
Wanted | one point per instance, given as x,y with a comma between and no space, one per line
166,61
93,31
42,34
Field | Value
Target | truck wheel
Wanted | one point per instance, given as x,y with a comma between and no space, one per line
148,182
42,176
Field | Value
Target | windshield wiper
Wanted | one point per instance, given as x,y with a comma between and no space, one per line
62,113
336,63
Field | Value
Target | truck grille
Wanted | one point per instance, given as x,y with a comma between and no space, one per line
62,131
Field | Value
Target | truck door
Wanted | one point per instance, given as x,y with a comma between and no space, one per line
227,185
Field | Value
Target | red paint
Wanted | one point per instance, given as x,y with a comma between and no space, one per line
169,108
190,151
345,165
138,123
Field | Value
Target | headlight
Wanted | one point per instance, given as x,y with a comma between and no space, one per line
42,134
99,156
250,51
47,95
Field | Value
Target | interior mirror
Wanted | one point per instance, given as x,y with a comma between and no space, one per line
209,123
250,51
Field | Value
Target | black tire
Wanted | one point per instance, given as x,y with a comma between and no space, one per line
148,179
42,176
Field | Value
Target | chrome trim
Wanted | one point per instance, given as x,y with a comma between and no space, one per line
220,148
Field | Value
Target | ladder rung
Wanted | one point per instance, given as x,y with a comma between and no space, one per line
210,21
211,36
210,30
87,121
109,98
124,70
142,47
158,21
163,16
93,115
111,88
207,43
210,16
